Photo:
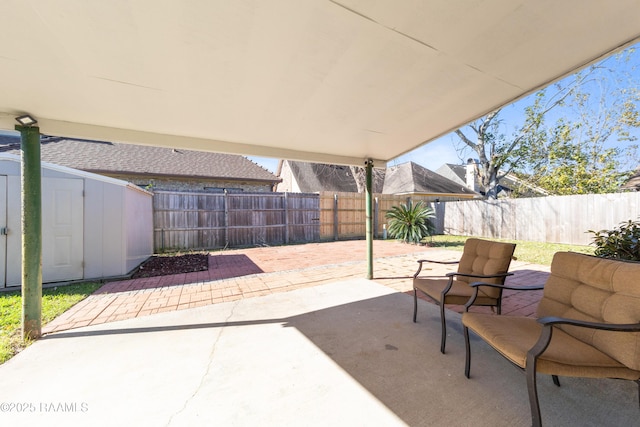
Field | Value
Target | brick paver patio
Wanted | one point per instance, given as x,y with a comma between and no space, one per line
246,273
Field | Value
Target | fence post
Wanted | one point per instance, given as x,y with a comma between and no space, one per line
286,217
317,230
335,216
226,219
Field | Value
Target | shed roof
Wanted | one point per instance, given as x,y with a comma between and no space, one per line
115,158
78,173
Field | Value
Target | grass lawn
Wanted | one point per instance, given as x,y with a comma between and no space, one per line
533,252
55,301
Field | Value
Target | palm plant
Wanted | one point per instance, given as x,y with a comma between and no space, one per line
409,222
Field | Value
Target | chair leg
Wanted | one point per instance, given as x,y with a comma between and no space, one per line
532,388
444,329
415,304
467,358
638,381
556,381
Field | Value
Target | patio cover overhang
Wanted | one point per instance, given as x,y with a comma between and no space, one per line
331,81
334,81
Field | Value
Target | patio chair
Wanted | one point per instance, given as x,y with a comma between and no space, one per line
481,260
588,325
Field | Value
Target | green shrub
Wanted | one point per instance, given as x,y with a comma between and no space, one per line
409,222
619,243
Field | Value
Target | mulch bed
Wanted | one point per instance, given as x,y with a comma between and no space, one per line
161,265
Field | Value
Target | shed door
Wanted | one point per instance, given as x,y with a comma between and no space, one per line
3,231
62,229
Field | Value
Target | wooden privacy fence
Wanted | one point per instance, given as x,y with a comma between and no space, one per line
211,220
553,219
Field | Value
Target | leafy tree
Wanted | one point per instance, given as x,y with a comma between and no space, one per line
571,156
410,222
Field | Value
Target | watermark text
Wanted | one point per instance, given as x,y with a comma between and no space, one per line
52,407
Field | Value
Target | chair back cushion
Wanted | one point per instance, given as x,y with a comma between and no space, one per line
485,257
589,288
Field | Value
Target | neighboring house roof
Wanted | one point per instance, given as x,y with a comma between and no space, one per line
508,183
633,183
455,173
407,178
412,178
315,177
128,159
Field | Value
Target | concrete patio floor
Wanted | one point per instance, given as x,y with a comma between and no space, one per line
345,353
247,273
286,336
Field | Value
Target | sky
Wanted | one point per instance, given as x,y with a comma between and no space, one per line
443,150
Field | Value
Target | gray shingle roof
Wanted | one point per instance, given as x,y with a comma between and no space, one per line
410,177
109,157
314,177
406,178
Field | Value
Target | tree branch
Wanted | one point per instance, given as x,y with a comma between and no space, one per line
466,140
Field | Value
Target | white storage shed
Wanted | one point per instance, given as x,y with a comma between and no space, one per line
92,226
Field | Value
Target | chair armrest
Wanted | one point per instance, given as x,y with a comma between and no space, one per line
620,327
543,342
513,288
476,285
421,261
438,262
479,276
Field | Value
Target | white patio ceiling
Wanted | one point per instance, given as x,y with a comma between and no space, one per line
318,80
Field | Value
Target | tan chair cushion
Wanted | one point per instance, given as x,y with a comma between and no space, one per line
599,290
513,336
485,257
459,293
482,257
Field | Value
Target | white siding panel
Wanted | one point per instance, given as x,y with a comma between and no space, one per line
14,238
3,223
93,229
114,232
138,228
